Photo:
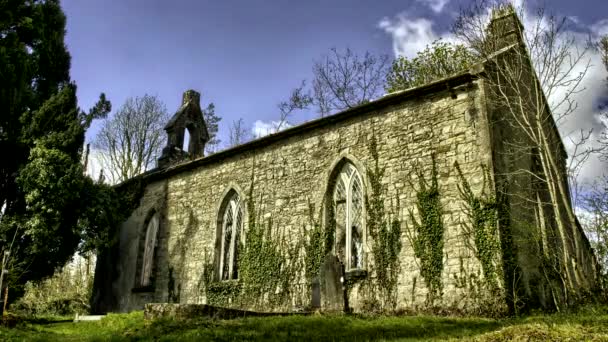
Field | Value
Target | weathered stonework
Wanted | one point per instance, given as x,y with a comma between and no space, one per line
453,120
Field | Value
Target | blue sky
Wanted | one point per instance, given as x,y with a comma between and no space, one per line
246,56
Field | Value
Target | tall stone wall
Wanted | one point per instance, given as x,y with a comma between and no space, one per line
293,171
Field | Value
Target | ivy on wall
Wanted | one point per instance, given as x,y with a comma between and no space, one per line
317,242
385,233
426,237
482,211
268,266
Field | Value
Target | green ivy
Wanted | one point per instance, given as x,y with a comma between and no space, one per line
268,267
482,211
427,238
385,234
317,242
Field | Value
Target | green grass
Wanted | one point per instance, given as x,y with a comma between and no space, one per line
588,323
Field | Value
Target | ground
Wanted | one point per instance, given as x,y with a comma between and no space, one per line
587,324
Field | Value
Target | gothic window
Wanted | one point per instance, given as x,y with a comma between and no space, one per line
230,227
147,259
348,213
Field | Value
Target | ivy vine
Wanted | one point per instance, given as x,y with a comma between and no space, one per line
385,233
268,267
317,242
482,211
427,235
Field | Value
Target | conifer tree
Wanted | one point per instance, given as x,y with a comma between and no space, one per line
48,207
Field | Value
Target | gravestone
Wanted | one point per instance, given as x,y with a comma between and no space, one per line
330,275
316,294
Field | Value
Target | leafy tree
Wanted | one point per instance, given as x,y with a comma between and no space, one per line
132,140
49,208
212,120
437,61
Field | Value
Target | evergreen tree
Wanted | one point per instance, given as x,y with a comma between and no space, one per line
48,207
212,121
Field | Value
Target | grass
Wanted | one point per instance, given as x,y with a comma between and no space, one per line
587,324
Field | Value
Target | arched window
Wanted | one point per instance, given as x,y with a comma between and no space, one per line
348,213
230,227
147,260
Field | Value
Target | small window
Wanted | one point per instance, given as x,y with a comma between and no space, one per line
348,211
231,225
147,260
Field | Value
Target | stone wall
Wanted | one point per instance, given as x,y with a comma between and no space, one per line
293,170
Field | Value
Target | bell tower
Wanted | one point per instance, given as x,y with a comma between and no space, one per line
189,117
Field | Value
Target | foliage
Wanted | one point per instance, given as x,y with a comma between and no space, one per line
212,121
482,211
385,234
317,243
43,191
268,267
427,235
67,292
589,323
437,61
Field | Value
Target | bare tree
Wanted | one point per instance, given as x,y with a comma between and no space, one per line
298,100
534,76
595,220
344,80
603,47
238,133
130,142
341,80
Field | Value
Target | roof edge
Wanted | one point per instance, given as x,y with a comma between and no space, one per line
384,101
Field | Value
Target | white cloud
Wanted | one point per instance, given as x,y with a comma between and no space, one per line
413,34
262,128
436,5
410,35
600,28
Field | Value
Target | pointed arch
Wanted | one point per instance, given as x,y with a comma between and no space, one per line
345,210
146,264
230,223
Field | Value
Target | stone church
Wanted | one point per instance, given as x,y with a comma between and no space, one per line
409,201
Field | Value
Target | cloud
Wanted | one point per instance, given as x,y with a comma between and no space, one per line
262,128
600,28
410,35
436,5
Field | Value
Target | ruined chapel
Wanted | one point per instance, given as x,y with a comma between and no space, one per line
411,200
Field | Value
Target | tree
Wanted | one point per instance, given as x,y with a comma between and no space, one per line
595,220
437,61
48,205
341,80
131,141
345,80
603,47
212,121
238,133
533,77
595,199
